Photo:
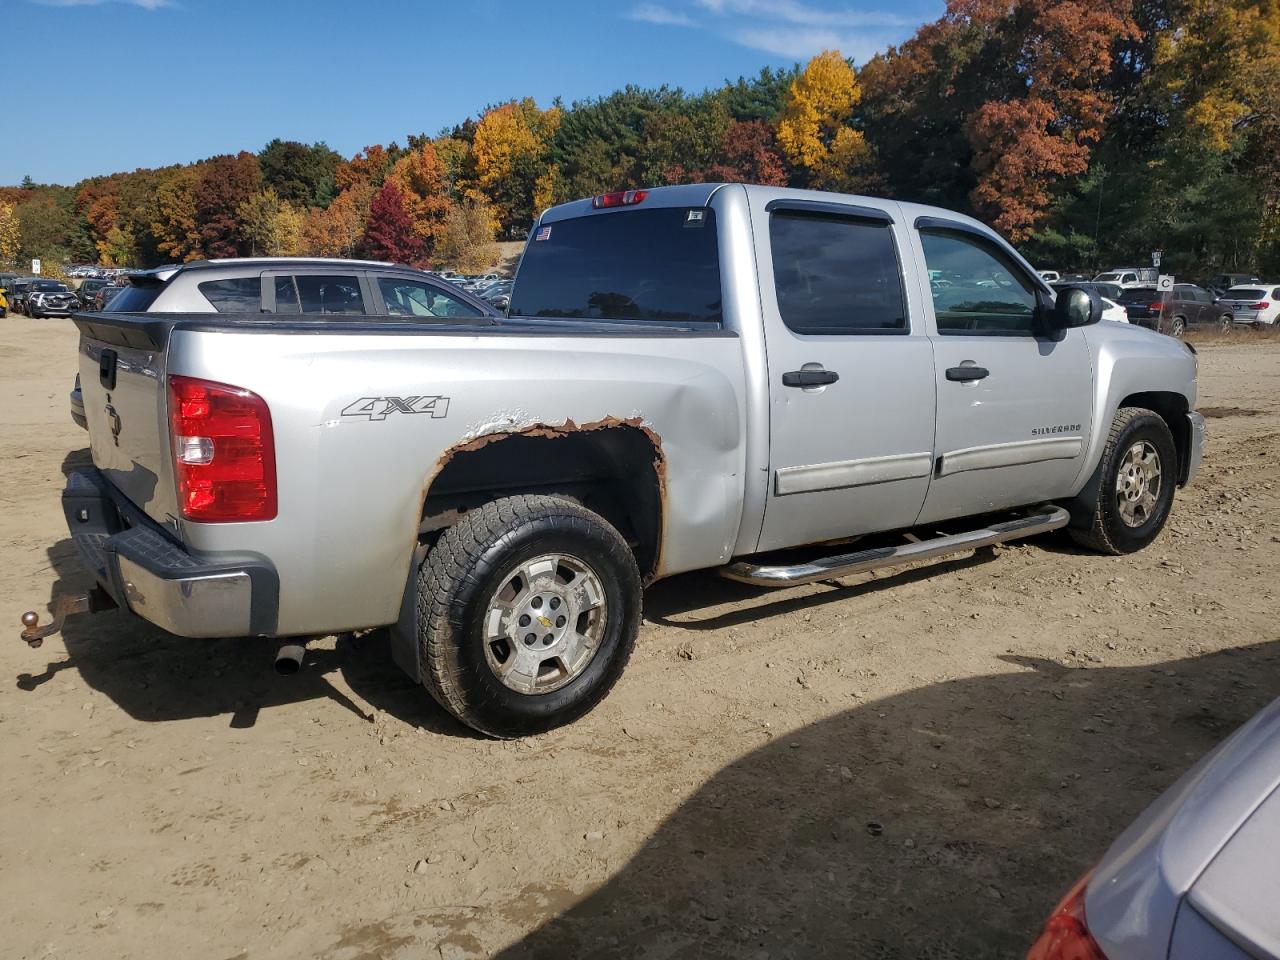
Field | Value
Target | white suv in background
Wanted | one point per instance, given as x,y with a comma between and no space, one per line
1257,304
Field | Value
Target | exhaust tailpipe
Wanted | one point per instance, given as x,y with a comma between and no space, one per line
289,658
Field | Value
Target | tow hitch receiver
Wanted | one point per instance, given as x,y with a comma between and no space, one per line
64,606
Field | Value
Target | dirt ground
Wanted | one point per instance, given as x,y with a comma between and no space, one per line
913,765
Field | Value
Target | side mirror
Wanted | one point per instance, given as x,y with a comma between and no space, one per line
1075,307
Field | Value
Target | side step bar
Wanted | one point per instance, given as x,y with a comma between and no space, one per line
759,575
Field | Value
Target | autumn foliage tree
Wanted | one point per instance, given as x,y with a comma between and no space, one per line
389,233
424,190
814,130
10,239
510,151
226,183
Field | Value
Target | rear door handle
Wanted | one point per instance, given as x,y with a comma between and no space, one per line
965,374
809,378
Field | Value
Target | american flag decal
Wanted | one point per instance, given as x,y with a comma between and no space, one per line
543,234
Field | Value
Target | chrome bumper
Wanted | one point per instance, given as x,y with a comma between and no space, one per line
137,563
1195,452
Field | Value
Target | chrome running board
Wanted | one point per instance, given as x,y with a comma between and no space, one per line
759,575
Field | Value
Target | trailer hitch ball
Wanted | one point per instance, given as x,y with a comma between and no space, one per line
30,624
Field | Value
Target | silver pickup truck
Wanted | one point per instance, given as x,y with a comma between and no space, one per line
690,377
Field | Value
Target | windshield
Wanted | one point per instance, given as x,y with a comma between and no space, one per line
49,286
659,264
1245,293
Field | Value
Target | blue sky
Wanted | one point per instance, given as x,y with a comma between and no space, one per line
144,83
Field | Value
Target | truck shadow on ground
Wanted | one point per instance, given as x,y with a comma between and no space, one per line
940,823
155,676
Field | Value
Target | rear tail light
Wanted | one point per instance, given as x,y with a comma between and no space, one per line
224,452
620,198
1066,933
1155,307
1260,305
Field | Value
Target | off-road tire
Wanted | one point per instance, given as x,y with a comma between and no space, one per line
1096,522
458,578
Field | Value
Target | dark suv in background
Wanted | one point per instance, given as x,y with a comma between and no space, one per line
1176,311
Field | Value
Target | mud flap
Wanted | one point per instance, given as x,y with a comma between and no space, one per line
404,632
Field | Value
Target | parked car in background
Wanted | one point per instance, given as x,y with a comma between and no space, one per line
88,289
1142,305
18,293
498,294
1188,306
1196,876
310,288
1049,276
50,298
1113,311
104,296
1222,282
4,303
1257,306
1129,276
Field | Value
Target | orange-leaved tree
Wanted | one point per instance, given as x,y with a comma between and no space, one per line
424,187
1053,105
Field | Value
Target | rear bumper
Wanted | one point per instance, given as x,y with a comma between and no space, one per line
136,561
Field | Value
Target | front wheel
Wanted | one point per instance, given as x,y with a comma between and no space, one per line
527,612
1134,485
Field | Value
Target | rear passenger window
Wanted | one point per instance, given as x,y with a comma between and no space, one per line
976,288
238,295
836,275
414,298
330,295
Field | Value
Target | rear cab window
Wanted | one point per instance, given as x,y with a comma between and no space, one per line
660,264
835,274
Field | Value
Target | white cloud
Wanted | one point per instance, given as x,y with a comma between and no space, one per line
652,13
144,4
792,11
802,43
785,28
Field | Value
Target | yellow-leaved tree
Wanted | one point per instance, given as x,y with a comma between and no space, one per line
10,239
511,153
174,225
813,129
1222,66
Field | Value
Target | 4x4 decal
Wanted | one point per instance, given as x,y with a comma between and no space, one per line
378,408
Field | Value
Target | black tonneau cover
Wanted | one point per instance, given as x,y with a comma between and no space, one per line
152,330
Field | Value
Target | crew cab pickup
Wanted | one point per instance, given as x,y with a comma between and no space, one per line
689,377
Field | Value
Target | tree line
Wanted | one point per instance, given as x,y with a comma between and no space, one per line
1087,131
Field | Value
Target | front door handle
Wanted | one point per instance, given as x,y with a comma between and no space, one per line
809,378
965,374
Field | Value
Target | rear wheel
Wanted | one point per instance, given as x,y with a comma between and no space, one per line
528,610
1177,326
1225,323
1134,485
